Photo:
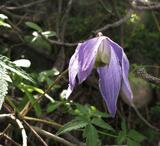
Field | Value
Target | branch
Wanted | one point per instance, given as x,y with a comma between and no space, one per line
26,109
20,125
15,16
154,6
36,134
143,74
106,9
64,19
62,43
49,122
68,136
61,140
115,24
54,137
144,120
112,25
9,139
24,6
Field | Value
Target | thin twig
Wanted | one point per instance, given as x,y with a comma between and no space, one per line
15,16
9,139
25,5
35,133
143,119
59,11
56,126
62,43
103,5
5,130
45,92
104,28
115,24
65,19
49,122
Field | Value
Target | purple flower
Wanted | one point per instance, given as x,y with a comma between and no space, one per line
112,66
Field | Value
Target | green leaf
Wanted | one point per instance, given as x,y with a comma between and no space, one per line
135,135
100,123
83,109
123,126
34,26
30,89
72,125
53,106
40,42
99,114
131,142
121,137
91,136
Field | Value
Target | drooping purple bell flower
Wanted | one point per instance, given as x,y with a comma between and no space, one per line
112,66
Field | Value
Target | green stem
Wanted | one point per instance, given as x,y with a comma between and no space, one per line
45,92
111,135
49,122
12,104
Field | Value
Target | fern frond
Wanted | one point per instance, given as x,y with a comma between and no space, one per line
5,66
9,65
3,84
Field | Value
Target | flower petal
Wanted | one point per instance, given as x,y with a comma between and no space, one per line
110,82
118,50
73,71
73,67
87,56
126,89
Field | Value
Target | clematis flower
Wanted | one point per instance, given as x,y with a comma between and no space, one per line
112,66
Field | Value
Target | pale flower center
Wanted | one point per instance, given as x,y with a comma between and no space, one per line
103,55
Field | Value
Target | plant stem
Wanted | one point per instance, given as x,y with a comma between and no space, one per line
54,124
26,110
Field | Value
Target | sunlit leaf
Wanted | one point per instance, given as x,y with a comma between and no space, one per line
2,23
3,17
48,34
22,63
